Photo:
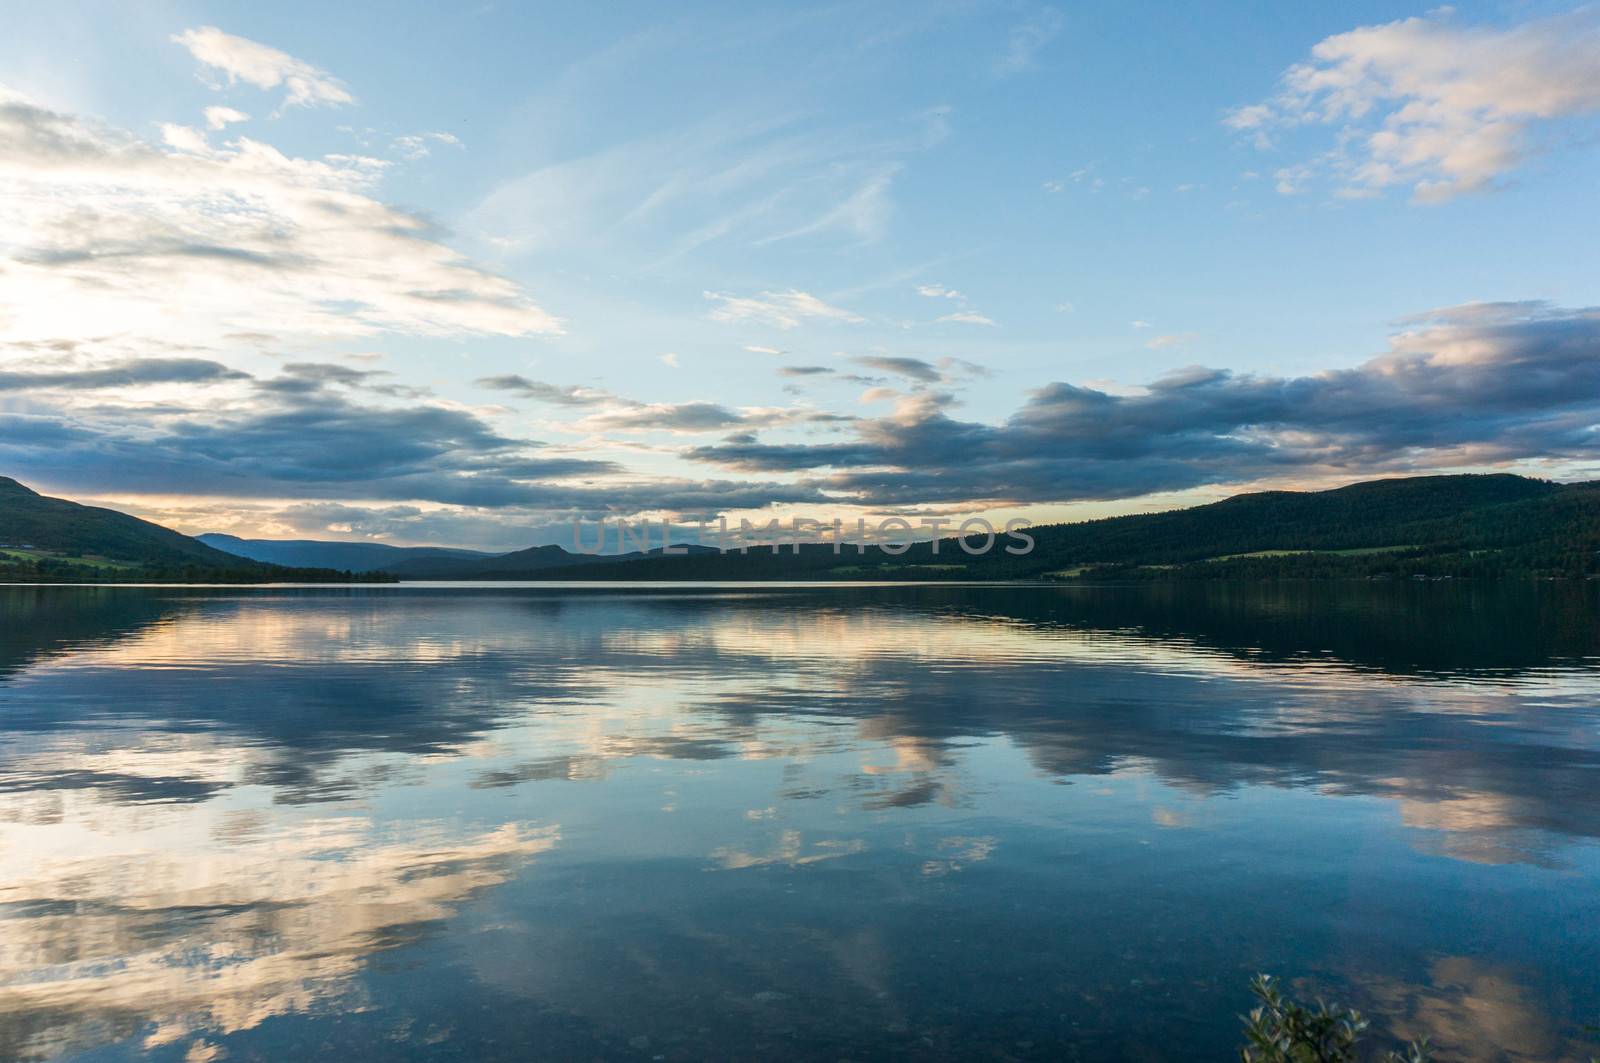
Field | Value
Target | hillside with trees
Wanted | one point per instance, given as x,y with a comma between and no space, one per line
52,540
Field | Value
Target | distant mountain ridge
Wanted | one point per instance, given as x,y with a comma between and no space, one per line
1476,526
329,553
45,539
531,563
1470,525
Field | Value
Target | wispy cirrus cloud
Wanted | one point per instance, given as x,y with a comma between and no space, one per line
265,67
1443,108
1028,38
964,317
784,310
732,177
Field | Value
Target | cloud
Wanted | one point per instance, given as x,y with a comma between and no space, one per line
128,373
964,317
756,349
733,176
1170,339
1445,109
290,435
1465,387
697,416
864,212
784,310
912,368
804,370
1028,38
420,145
670,359
190,245
939,291
672,417
556,394
219,117
264,67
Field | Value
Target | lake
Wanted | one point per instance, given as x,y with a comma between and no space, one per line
748,822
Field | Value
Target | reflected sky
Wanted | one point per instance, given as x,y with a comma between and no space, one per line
433,823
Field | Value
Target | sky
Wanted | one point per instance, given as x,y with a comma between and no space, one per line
464,274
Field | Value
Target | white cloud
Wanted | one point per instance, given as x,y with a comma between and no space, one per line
785,310
420,145
965,317
757,349
102,233
219,117
1423,102
670,358
264,67
939,291
1170,339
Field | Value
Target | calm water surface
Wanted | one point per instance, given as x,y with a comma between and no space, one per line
756,823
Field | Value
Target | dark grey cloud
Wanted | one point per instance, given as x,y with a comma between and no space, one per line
305,378
315,443
557,394
682,416
1469,385
912,368
697,416
326,448
804,370
131,372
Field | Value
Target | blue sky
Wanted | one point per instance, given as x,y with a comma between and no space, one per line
666,253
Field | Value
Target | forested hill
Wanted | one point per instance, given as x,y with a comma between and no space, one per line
1467,526
52,540
1377,513
1484,526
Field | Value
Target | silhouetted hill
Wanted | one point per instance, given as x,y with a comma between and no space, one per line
1427,526
46,540
1475,526
532,563
317,553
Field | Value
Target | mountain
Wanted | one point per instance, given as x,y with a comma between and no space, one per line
317,553
1479,526
50,540
532,563
1476,526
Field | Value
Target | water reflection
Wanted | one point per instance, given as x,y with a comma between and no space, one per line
680,822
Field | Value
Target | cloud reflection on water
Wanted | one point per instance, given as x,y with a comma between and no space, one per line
208,800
